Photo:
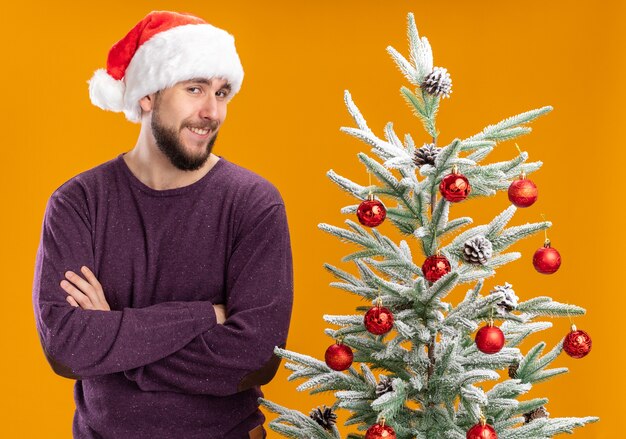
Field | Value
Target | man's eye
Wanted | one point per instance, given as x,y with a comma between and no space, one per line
194,90
222,93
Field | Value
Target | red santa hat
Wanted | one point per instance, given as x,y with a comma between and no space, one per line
161,50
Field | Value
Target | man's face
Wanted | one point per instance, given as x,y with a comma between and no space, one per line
186,119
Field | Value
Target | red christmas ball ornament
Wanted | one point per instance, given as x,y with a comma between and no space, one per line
577,343
380,431
547,260
435,267
378,320
338,356
455,187
490,339
371,212
523,192
482,431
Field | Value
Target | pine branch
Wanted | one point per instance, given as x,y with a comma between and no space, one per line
516,333
441,288
546,427
409,72
532,367
545,306
499,222
475,145
453,225
505,239
402,219
480,154
424,107
344,275
474,359
391,151
362,238
355,113
349,186
511,388
401,156
421,55
294,424
509,128
374,245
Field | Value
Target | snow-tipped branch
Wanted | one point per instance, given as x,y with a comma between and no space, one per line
510,127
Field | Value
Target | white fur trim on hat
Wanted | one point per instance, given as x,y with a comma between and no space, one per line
106,92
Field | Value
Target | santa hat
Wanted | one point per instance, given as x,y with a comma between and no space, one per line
161,50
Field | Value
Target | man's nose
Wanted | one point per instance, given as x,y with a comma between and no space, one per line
209,108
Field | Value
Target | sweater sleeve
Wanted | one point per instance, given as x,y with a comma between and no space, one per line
84,343
238,355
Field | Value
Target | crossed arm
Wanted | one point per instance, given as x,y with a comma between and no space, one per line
88,293
186,347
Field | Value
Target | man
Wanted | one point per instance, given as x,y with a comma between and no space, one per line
163,279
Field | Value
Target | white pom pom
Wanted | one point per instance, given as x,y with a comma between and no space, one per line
106,92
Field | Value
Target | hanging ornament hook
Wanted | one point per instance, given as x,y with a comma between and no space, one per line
547,241
522,174
570,320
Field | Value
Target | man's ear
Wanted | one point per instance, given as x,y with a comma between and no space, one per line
147,102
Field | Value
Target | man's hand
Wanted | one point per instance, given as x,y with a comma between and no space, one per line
220,313
87,294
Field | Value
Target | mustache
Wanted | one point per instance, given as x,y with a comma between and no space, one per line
210,125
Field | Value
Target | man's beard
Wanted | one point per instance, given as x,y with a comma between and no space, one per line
169,143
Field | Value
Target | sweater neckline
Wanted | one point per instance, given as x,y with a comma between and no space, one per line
136,182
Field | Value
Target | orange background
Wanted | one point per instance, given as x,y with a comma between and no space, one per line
504,58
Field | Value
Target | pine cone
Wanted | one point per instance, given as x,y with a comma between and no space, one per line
438,83
541,412
510,298
384,385
324,416
426,155
478,250
513,370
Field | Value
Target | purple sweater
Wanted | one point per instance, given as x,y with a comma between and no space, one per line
158,365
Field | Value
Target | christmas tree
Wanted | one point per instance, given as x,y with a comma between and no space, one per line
432,356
